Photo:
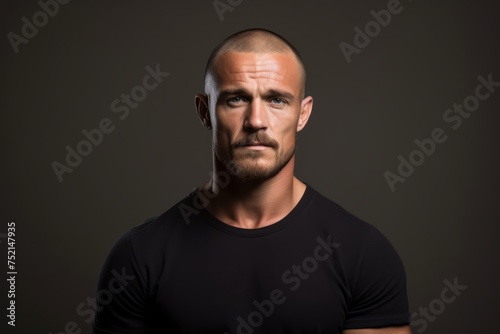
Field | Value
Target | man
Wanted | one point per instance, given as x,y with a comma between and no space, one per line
254,250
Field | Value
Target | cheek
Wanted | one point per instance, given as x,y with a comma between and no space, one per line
223,134
288,141
288,134
227,126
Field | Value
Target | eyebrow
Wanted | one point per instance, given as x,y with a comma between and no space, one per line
270,93
228,92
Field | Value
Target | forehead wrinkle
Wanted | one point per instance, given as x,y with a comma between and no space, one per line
266,69
270,68
245,75
245,79
257,75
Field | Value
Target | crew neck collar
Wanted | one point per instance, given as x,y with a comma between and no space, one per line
261,231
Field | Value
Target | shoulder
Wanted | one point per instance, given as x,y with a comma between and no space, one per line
174,218
361,241
375,274
156,234
150,242
333,214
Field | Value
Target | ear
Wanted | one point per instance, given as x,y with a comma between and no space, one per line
201,104
305,111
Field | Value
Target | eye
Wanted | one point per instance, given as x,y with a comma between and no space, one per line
278,101
235,101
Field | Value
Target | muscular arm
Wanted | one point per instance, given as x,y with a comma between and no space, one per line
379,299
121,308
385,330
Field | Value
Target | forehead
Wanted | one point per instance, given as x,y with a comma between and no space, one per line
239,68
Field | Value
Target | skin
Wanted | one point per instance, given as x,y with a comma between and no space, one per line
250,98
385,330
254,97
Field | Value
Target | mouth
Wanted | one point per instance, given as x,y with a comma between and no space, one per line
255,146
256,142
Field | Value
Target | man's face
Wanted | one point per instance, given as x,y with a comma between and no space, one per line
256,109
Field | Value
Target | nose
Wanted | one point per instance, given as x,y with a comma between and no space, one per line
256,116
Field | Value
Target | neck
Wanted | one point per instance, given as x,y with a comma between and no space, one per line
253,204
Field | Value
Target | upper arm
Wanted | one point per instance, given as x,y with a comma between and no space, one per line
379,299
121,293
384,330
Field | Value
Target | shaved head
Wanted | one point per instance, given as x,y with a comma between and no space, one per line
254,104
255,41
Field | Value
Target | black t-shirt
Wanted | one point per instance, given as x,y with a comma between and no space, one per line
318,270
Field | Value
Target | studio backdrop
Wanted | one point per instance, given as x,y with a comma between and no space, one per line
99,132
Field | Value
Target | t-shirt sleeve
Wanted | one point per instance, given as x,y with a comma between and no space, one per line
121,292
379,297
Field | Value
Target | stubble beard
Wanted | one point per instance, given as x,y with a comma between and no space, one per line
247,169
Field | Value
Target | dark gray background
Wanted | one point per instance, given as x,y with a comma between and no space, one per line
443,220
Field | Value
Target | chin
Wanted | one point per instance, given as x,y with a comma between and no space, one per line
254,171
255,166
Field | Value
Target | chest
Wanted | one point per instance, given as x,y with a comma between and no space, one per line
251,286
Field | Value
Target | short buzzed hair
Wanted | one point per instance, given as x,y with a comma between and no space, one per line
256,40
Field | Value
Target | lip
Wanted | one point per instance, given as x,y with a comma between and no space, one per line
256,146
